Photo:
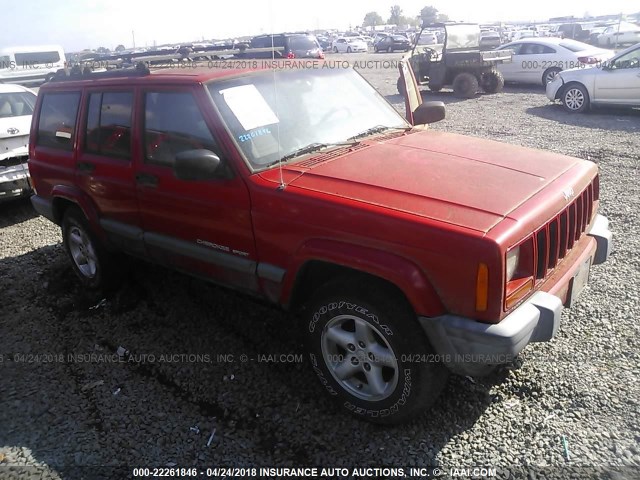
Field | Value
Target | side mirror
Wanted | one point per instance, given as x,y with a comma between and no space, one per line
429,112
192,165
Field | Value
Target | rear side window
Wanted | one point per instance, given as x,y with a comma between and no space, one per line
109,124
56,127
173,124
16,104
37,58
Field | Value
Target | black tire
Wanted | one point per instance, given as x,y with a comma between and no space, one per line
390,50
401,87
107,266
575,98
549,74
335,49
492,81
349,50
465,85
435,87
390,386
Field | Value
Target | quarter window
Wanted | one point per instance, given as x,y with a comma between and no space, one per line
174,124
109,124
56,127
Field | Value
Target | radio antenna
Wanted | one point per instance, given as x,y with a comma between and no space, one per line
275,95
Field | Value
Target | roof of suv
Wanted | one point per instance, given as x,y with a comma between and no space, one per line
160,76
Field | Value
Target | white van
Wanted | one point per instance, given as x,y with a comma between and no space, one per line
30,65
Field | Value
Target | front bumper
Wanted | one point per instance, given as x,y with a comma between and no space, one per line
14,181
553,87
469,347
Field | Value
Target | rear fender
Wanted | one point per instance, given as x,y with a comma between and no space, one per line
83,201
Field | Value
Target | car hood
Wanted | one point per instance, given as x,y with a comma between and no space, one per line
580,72
461,180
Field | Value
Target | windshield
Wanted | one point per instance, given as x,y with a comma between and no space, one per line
16,104
463,36
274,114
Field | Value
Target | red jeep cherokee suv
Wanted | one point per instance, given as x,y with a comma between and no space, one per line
409,252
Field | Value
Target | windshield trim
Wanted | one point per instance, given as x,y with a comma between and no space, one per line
223,124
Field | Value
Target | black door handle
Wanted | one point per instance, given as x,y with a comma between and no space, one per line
147,180
86,167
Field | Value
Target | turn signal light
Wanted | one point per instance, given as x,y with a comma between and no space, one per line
482,288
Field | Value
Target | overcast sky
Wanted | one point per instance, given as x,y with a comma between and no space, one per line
78,24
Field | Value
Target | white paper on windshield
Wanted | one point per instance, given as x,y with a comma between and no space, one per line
249,106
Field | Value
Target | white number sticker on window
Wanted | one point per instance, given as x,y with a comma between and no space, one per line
249,106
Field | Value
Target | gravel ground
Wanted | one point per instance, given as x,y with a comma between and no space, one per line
67,399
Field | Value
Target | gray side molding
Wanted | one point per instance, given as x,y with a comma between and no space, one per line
191,250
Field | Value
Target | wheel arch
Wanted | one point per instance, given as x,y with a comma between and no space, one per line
318,262
64,197
568,84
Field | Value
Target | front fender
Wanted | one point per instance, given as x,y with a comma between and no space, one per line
401,272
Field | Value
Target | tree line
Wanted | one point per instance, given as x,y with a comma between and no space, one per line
428,14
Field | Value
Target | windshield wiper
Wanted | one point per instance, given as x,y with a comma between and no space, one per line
377,129
312,147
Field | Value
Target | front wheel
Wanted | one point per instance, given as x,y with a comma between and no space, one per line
575,98
335,49
402,89
369,352
349,50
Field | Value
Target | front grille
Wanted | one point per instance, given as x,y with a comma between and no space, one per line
556,238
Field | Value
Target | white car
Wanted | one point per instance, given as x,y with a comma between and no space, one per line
349,45
622,34
16,109
538,60
617,82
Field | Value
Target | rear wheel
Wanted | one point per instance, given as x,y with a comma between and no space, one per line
492,81
349,50
435,87
91,262
549,74
575,98
465,85
390,49
335,49
402,89
368,351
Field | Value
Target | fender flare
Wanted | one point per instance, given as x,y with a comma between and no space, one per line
399,271
83,201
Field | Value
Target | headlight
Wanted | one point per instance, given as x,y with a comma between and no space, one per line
513,257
